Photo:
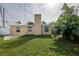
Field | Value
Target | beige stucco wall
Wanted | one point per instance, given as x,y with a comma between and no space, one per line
23,30
32,30
46,33
37,24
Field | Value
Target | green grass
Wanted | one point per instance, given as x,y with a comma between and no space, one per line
29,45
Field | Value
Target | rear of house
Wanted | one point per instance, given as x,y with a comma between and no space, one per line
36,28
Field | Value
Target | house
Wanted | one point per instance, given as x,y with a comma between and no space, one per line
36,28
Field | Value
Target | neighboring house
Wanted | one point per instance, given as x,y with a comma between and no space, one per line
36,28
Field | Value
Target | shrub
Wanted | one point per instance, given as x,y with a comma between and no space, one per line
68,24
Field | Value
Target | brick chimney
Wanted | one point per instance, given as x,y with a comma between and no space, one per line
37,25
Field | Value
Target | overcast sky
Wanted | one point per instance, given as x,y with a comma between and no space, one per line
25,12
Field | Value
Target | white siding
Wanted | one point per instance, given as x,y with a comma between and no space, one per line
4,31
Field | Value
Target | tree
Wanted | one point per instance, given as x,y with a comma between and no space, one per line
68,24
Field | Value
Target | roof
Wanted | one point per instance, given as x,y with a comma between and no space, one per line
30,23
17,24
43,22
37,14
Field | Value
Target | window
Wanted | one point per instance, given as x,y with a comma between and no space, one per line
46,29
30,28
17,29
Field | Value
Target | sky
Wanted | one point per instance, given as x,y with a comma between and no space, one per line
25,12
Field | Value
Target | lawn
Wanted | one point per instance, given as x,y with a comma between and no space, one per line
29,45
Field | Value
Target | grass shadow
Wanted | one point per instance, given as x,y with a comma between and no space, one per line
1,37
20,41
64,47
16,42
43,36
